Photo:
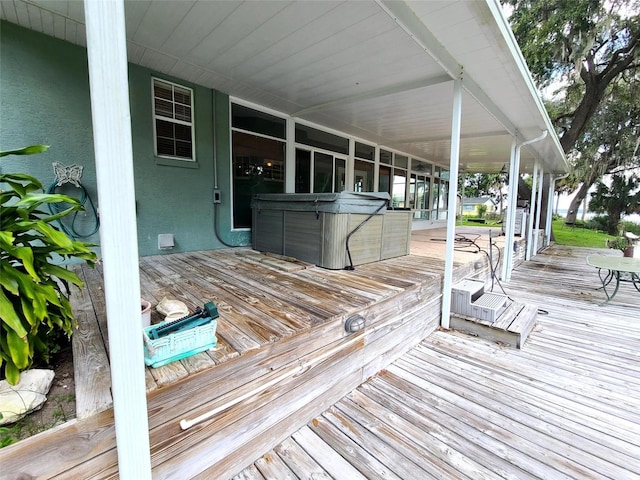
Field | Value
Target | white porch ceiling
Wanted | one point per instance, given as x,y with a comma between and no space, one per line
379,70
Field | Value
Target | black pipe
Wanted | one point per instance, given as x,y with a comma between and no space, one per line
350,266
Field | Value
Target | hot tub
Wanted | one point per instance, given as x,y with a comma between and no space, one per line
315,227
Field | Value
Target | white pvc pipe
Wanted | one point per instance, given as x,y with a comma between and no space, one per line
454,162
109,87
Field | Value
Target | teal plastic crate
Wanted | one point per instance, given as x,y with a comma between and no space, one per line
179,344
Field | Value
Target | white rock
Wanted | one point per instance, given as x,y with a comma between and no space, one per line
17,401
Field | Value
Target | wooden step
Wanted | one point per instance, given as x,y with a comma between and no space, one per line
512,327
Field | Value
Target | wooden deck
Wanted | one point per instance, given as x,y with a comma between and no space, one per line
458,406
455,406
283,357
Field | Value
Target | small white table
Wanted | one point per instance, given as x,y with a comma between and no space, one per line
623,269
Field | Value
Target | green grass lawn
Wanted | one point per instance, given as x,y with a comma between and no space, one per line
577,237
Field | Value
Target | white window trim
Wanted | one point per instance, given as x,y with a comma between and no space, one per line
192,124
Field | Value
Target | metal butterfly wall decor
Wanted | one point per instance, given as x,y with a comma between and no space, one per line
71,174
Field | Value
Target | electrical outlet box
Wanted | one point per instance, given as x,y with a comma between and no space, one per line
217,196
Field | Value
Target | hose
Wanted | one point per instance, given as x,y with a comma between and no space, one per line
350,266
71,230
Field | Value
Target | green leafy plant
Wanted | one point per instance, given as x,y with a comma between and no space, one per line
618,243
34,303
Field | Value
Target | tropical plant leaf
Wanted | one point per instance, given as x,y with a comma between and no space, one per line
11,372
31,150
19,348
62,274
10,316
54,236
26,255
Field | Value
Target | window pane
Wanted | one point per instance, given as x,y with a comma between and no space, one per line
246,118
317,138
303,171
384,179
258,167
340,177
182,95
401,161
385,157
183,149
322,173
363,176
183,113
182,132
164,108
165,146
398,194
162,90
364,151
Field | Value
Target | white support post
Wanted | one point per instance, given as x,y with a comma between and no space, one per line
538,210
290,157
512,201
349,174
376,168
547,229
532,203
454,162
109,87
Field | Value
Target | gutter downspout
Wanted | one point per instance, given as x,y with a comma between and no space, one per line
514,173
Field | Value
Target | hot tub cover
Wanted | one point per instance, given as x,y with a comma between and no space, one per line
343,202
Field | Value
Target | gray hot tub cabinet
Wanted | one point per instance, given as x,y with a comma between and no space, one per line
314,227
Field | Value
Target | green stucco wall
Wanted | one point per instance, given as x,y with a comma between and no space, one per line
44,98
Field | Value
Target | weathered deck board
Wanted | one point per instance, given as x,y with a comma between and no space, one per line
567,406
274,322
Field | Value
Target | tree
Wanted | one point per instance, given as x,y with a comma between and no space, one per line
480,185
621,198
586,47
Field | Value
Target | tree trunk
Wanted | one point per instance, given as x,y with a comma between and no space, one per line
575,202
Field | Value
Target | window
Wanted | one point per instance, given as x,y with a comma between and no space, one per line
318,172
258,150
320,139
173,120
363,169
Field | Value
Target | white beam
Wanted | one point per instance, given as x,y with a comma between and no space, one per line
109,87
377,93
406,18
454,161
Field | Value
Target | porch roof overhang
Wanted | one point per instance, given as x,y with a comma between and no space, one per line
381,71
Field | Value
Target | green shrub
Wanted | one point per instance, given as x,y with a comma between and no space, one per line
34,304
